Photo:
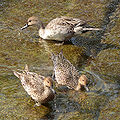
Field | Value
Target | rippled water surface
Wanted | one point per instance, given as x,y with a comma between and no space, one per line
96,54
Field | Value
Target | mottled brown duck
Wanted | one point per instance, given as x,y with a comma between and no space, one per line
66,74
40,88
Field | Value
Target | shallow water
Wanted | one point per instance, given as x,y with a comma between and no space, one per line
97,54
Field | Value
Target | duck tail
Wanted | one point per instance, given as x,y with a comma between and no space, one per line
26,68
17,74
87,29
79,30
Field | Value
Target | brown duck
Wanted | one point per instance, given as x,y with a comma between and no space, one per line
37,86
66,73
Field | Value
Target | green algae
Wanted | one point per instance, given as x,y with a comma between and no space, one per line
107,62
111,110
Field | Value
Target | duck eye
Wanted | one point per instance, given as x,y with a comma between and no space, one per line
33,76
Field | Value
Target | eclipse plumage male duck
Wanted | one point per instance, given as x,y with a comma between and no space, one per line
66,74
60,28
37,86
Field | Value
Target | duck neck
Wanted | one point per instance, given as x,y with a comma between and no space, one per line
40,25
41,30
78,87
47,91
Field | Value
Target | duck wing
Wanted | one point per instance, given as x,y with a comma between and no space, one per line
31,82
73,21
66,22
65,72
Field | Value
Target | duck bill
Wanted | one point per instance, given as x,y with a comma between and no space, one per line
86,88
25,26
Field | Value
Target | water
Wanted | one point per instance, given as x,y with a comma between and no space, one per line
97,54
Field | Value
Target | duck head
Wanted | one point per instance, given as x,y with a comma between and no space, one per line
31,21
83,81
49,83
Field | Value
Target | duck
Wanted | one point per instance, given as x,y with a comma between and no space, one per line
40,88
60,29
66,74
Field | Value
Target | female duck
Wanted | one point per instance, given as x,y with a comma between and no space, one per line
59,29
66,73
37,86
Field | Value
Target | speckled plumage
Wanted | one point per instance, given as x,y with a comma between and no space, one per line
60,29
37,86
66,73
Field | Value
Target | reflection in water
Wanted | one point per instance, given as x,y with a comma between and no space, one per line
45,45
101,84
